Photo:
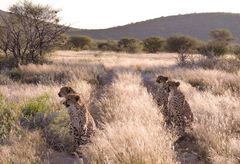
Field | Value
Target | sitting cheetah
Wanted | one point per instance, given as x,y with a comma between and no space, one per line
179,109
82,123
162,97
64,91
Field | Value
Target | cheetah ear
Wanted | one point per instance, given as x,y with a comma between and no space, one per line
177,83
165,79
77,97
68,89
161,78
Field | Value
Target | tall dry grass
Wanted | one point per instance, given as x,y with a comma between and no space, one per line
132,129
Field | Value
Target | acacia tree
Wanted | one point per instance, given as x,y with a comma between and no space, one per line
129,45
221,35
218,45
183,45
153,44
83,42
30,30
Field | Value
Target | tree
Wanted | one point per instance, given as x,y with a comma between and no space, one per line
218,46
108,46
82,42
183,45
29,31
129,45
236,50
221,35
153,44
213,49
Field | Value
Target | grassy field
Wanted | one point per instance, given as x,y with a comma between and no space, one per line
34,123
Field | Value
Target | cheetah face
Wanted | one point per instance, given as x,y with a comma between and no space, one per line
71,99
161,79
172,85
64,91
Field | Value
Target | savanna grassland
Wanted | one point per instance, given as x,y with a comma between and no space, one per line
34,122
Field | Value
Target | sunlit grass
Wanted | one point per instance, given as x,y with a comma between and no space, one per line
131,130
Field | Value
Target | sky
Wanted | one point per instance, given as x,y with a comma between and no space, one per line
99,14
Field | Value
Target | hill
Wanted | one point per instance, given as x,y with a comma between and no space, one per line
195,25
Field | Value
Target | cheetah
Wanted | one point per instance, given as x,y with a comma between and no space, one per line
162,97
180,112
82,124
64,91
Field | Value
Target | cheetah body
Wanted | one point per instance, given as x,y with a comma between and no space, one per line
180,112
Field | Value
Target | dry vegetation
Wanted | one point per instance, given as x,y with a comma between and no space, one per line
34,124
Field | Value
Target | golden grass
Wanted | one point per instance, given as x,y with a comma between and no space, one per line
132,129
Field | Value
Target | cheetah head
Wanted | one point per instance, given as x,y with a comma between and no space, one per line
64,91
71,99
161,79
172,85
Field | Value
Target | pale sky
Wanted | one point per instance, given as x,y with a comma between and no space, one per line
95,14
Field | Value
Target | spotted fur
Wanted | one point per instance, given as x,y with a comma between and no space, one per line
82,124
162,97
180,112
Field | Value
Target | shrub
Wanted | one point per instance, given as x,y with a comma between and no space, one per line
213,49
236,51
22,76
200,84
108,46
183,45
33,112
221,35
153,44
4,79
82,42
228,65
8,117
129,45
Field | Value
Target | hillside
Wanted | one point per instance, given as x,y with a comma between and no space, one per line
196,25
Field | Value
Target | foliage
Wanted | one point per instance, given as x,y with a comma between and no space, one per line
180,44
221,35
218,46
129,45
236,50
108,46
34,112
29,31
82,42
7,118
183,45
213,49
153,44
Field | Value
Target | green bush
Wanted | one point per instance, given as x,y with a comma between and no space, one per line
81,42
34,112
129,45
153,44
108,46
8,117
213,49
